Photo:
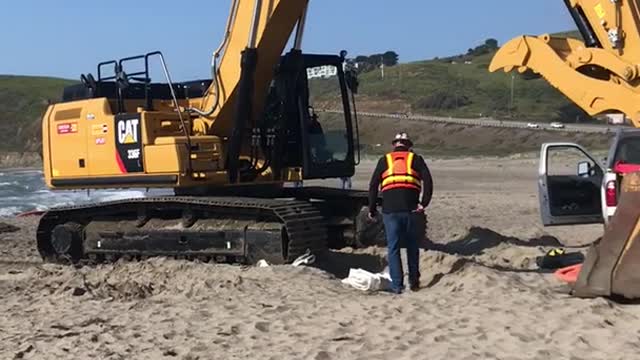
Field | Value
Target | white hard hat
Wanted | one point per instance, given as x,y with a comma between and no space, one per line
403,138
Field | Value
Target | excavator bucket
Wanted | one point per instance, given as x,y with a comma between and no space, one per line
612,265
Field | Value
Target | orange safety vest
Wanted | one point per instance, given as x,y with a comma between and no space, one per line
399,173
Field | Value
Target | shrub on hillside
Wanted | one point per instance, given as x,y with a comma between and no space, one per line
442,100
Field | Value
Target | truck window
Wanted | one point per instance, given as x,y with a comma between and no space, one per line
564,161
628,151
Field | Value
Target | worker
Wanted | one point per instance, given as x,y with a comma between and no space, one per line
319,150
401,175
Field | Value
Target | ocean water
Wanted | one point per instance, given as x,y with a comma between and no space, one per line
25,190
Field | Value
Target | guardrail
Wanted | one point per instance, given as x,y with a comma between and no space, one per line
484,122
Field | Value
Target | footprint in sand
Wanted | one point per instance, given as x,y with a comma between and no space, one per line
262,326
322,355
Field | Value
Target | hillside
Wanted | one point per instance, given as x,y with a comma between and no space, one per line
462,86
23,99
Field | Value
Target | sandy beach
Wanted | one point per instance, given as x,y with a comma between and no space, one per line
482,296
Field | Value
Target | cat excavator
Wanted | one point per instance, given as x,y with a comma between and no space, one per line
600,74
234,150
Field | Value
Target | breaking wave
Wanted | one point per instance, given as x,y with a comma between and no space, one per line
25,190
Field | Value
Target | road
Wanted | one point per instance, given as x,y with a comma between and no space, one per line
489,122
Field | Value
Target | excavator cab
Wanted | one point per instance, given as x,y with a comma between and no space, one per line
312,97
330,140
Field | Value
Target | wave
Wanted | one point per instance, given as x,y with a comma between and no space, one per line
9,211
22,191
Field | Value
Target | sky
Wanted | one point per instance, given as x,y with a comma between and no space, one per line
69,37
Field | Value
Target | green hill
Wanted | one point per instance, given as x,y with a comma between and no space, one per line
462,86
23,99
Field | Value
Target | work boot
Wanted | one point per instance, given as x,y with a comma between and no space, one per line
393,290
414,285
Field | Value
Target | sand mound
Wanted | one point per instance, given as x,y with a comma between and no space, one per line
157,277
134,280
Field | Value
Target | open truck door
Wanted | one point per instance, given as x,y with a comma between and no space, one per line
569,185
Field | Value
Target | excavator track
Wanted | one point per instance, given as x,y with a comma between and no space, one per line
222,229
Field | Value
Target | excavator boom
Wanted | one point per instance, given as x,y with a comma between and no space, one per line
263,25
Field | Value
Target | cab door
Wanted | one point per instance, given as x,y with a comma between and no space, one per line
569,185
327,136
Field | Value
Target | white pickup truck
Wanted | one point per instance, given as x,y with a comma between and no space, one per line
574,188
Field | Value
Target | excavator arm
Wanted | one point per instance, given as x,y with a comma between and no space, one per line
600,74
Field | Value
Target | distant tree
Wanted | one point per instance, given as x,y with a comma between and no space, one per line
368,63
488,46
390,58
491,44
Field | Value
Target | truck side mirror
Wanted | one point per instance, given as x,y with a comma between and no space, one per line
584,169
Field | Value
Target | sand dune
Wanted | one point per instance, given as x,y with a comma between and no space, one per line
482,296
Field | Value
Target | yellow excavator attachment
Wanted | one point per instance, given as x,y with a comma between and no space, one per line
567,65
611,265
600,74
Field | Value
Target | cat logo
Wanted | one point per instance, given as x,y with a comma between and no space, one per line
128,131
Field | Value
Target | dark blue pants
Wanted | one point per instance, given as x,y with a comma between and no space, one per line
400,227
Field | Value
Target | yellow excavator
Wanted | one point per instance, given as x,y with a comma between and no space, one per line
228,147
600,74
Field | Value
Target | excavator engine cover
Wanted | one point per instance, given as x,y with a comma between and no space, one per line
612,265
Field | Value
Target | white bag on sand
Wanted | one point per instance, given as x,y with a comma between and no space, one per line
262,263
366,281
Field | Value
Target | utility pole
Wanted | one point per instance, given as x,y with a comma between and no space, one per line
513,78
382,67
